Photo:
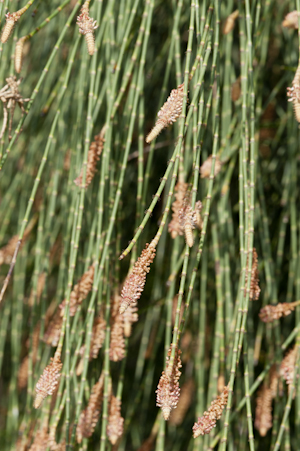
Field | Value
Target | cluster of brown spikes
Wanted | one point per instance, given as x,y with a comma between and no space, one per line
136,279
169,112
168,391
94,154
209,419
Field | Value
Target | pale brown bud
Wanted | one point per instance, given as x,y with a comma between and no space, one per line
19,54
136,279
263,412
87,25
169,112
236,89
270,313
94,154
205,169
291,20
168,391
230,22
48,381
11,19
115,424
294,94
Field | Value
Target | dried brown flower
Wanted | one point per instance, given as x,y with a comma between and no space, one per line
87,25
186,396
254,284
181,192
209,419
291,20
169,112
205,169
89,417
263,412
80,291
270,313
94,154
230,22
287,366
115,421
294,94
117,342
48,381
136,279
168,391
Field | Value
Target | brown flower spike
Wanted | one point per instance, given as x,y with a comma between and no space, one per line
169,112
174,227
11,19
270,313
48,381
89,417
291,20
205,169
168,391
136,279
263,412
189,220
230,22
115,424
94,154
209,419
19,53
87,25
287,366
294,94
117,342
254,283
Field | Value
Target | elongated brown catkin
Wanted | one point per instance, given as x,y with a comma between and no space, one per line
8,27
230,22
168,391
270,313
169,112
87,25
263,413
115,424
19,54
48,381
254,283
209,419
174,226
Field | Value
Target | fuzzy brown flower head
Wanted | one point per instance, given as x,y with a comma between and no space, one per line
136,279
230,22
287,366
291,20
117,341
205,169
270,313
168,391
87,25
11,19
293,94
80,291
130,316
89,417
180,195
169,112
189,220
209,419
48,381
263,412
115,421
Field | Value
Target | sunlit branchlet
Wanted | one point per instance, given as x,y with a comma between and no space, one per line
270,313
89,417
87,25
205,169
287,366
115,423
136,279
117,342
293,94
48,381
174,226
94,154
168,391
291,20
263,411
209,419
254,283
80,291
169,112
230,22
